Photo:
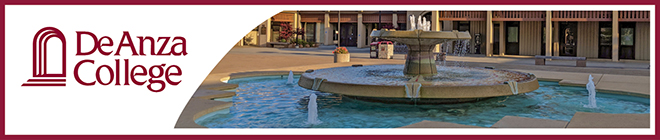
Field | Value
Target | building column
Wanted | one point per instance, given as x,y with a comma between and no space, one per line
615,35
361,32
240,43
327,29
317,35
548,33
395,18
268,30
435,26
489,33
555,39
502,38
296,22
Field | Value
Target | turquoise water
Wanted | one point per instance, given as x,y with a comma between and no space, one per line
268,102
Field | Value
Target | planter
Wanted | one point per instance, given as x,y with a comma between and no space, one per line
307,46
342,58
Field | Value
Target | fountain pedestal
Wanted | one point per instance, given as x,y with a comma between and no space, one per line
420,61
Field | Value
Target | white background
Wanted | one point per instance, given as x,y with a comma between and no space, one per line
210,32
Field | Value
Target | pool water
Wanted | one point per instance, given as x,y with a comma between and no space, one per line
268,102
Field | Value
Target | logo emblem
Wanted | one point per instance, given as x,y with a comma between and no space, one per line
41,76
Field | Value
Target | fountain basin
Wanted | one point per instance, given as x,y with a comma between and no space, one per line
268,102
385,83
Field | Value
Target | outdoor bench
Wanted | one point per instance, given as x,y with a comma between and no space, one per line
272,44
580,61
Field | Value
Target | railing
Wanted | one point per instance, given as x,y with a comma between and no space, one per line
462,15
581,15
401,18
312,17
634,16
518,15
283,17
351,18
373,18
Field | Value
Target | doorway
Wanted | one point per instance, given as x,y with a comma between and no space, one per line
348,34
496,39
627,40
512,33
568,38
605,40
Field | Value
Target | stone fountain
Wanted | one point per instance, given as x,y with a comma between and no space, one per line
420,80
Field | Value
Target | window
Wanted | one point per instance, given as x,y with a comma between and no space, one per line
627,36
512,34
310,32
605,35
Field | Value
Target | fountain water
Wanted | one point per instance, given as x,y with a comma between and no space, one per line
312,116
289,81
591,87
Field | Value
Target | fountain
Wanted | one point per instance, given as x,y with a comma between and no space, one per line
591,87
420,78
312,115
289,81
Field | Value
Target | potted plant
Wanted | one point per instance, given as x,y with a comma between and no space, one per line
341,55
307,44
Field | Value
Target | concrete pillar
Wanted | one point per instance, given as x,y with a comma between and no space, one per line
395,18
317,35
361,32
268,30
548,33
240,43
502,38
555,39
435,26
489,33
296,22
615,35
327,29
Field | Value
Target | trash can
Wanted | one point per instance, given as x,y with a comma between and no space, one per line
385,50
373,51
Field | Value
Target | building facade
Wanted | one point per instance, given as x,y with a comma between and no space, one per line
593,34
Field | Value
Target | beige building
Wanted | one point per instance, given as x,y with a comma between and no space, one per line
593,34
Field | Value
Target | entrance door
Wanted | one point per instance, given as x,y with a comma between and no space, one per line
568,39
627,40
605,40
348,34
496,39
512,33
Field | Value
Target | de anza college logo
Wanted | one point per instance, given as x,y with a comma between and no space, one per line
40,74
48,69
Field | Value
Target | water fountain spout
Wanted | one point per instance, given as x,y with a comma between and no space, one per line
591,87
289,81
312,112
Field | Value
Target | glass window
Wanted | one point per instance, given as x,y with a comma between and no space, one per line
627,36
512,34
606,36
310,32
